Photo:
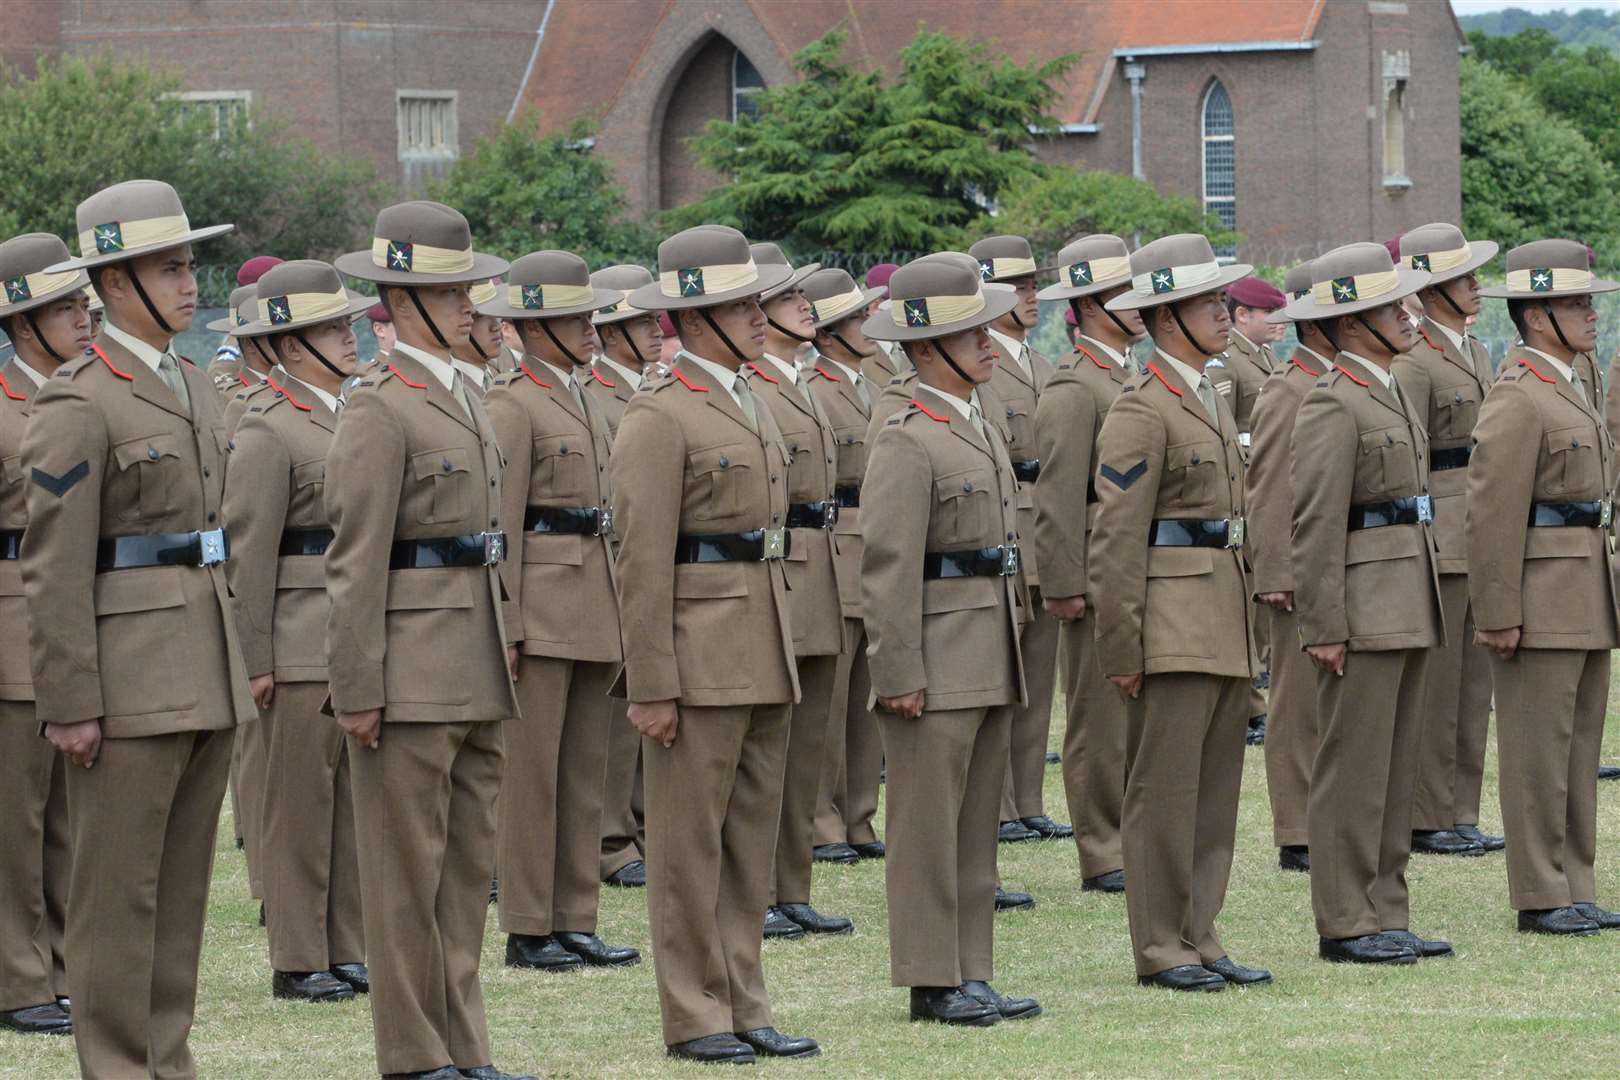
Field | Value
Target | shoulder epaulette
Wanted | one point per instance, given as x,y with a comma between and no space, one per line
660,382
505,378
73,367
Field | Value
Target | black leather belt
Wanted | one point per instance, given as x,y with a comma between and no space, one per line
982,562
1412,510
1455,458
575,520
162,549
1577,515
11,543
305,541
1190,532
847,496
1026,472
814,515
752,546
479,549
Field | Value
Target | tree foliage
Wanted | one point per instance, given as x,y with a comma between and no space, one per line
1065,204
1589,25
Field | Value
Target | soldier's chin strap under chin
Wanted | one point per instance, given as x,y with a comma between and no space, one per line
1175,313
785,332
1382,340
741,359
422,311
545,324
140,291
1559,330
1074,306
1452,304
39,335
947,358
316,353
836,336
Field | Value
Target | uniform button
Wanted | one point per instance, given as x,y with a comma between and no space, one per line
151,452
212,515
493,523
207,471
774,517
1459,395
1012,536
1389,440
492,483
773,479
967,485
562,448
1004,502
1009,412
1574,444
447,465
725,462
1195,460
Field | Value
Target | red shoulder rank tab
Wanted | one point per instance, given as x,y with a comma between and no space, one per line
1294,360
7,388
825,374
243,379
284,392
1157,374
1347,373
1085,352
688,384
598,377
537,381
413,385
1424,334
121,374
760,372
920,407
1527,365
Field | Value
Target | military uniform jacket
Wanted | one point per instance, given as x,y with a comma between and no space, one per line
16,402
560,585
1269,492
849,413
229,376
897,395
1377,588
1446,386
1165,609
812,577
236,404
277,482
1537,442
687,462
935,486
109,452
884,366
1019,394
1238,375
1067,422
408,463
609,392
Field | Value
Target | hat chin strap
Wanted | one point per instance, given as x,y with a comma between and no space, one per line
847,347
316,353
422,311
140,291
39,335
545,324
1559,330
1074,306
1382,340
741,359
1175,313
947,357
1446,296
785,332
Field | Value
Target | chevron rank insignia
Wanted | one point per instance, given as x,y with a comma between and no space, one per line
1344,290
1163,280
109,238
61,485
533,298
1541,280
1079,274
280,310
1124,480
691,281
1420,262
917,312
399,255
987,269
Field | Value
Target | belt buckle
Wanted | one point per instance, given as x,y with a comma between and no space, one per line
1236,528
1009,560
830,514
211,547
1425,509
773,544
604,520
494,547
1605,513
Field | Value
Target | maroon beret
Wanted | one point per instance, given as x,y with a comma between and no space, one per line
377,313
254,269
666,324
1068,316
1393,244
878,277
1253,292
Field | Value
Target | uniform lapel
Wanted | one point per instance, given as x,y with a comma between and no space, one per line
143,381
715,395
437,393
1188,395
1091,351
321,416
1438,339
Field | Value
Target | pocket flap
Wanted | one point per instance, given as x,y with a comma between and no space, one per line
961,484
13,468
1180,561
1375,441
148,588
697,581
1453,396
310,472
1569,439
959,594
546,446
718,459
1189,454
561,549
150,448
1389,542
440,462
301,572
446,587
1559,543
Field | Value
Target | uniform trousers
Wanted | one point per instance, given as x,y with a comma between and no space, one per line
1549,732
35,861
853,763
624,829
945,783
143,820
1456,720
1369,724
549,822
801,782
1093,751
254,741
1184,759
1258,704
1032,723
311,866
424,812
714,800
1290,731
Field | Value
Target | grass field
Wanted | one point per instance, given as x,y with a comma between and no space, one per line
1506,1005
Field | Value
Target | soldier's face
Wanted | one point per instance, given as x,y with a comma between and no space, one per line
576,334
1028,308
1577,318
791,311
334,338
1131,318
486,334
644,332
973,353
1206,319
1390,321
170,280
449,306
64,324
743,323
384,332
851,333
1463,291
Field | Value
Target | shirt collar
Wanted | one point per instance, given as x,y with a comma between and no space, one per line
631,377
439,369
563,374
1559,366
148,355
19,364
963,408
1189,374
1108,351
722,375
1324,361
849,373
474,374
1451,335
1378,373
325,399
1013,348
789,372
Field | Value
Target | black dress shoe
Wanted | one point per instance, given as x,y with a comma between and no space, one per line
874,850
778,927
309,986
814,922
1190,977
1015,832
490,1072
949,1005
65,1004
1426,948
1257,731
1013,901
834,853
443,1072
1609,772
712,1049
1009,1008
47,1019
1567,921
595,952
1047,828
540,952
1054,758
1484,840
261,913
356,975
1606,920
1237,974
769,1042
1366,949
1111,882
632,875
1444,842
1294,857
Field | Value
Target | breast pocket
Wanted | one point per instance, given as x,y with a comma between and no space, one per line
307,505
1191,471
559,466
1455,410
11,474
447,476
720,475
963,509
851,452
149,472
1387,463
1574,467
1020,425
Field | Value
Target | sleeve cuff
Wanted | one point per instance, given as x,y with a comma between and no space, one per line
359,691
653,679
897,675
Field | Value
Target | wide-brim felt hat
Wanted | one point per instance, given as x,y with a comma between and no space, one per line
1296,284
26,282
1006,258
704,267
626,278
303,293
134,218
1090,265
421,243
1549,270
240,311
549,285
772,255
834,296
1444,252
1352,279
936,296
1175,268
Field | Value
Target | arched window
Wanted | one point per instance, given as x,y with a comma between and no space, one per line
745,81
1220,161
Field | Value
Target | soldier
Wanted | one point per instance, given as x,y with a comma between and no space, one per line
848,799
562,609
1291,738
1173,616
479,359
1021,375
46,318
98,312
382,328
1444,377
944,652
699,481
420,678
1092,270
241,367
130,614
1539,513
1366,601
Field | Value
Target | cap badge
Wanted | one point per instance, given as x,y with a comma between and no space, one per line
917,312
1079,274
280,310
1420,262
533,297
17,290
691,281
109,238
1164,281
987,269
1344,290
1541,279
399,255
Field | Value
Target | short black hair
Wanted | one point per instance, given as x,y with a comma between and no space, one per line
1516,310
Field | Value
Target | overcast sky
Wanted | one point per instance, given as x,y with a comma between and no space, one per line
1475,7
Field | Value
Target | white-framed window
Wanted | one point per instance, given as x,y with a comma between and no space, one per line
427,125
224,107
746,81
1220,160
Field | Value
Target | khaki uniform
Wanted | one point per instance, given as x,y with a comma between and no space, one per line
936,485
1377,589
1181,616
896,398
563,609
1445,387
306,841
1067,421
35,859
1538,442
887,363
1291,726
229,376
1611,398
716,638
151,652
425,645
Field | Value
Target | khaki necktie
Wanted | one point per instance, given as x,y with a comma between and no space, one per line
1206,394
573,388
804,394
745,401
168,370
977,416
1579,385
1023,362
862,393
458,387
